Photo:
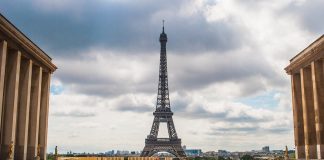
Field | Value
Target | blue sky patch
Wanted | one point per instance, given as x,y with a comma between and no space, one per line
56,89
265,100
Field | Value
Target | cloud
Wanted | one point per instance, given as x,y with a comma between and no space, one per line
228,114
237,130
272,126
74,113
139,109
109,73
121,26
132,103
87,125
308,13
225,65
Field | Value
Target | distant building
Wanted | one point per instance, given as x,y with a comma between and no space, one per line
307,81
122,152
210,154
277,152
193,152
224,153
134,153
266,149
110,153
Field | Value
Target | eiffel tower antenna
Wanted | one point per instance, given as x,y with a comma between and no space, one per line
163,26
163,113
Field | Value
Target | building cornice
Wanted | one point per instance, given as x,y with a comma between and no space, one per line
18,37
313,52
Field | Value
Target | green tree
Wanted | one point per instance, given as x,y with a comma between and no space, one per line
246,157
221,158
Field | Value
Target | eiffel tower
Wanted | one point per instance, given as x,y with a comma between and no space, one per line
163,114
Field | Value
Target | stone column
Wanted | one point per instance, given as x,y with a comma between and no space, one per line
10,103
23,109
298,115
34,112
308,113
3,57
318,90
43,121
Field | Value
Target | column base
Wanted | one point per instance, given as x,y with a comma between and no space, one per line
300,152
31,152
20,152
320,151
5,152
311,152
42,153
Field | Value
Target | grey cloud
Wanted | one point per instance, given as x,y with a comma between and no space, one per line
132,28
255,129
228,72
74,136
74,113
251,74
121,26
135,108
197,113
104,90
310,14
179,105
201,113
280,129
113,89
235,129
247,130
126,104
181,108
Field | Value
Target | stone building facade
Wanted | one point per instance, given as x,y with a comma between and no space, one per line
25,73
307,82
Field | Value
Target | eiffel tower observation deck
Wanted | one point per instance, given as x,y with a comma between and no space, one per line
163,113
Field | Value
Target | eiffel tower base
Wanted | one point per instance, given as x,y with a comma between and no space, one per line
153,146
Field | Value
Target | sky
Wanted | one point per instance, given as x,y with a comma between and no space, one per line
226,59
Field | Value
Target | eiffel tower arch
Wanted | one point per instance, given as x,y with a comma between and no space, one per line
163,114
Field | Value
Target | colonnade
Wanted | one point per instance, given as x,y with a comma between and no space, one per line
24,102
308,109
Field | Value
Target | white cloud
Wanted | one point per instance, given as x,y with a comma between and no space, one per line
104,95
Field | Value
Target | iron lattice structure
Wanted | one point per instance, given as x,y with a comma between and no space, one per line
163,114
